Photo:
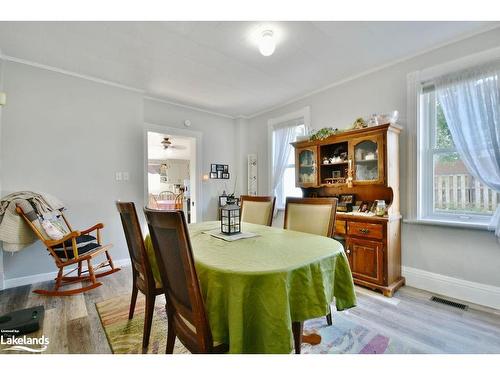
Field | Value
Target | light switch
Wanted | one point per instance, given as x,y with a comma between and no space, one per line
126,176
118,176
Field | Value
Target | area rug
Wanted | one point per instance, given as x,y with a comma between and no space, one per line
344,337
125,336
347,337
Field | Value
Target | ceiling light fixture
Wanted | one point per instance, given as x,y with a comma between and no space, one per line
267,44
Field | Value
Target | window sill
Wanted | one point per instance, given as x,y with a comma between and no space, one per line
450,223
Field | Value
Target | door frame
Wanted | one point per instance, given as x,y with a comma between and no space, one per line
174,131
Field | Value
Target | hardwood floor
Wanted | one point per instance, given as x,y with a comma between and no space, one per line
73,325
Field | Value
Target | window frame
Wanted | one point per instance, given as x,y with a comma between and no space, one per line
412,210
427,151
281,205
274,123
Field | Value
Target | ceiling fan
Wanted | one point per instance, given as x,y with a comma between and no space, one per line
166,143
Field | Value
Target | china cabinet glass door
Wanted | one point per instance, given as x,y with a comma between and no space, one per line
306,166
368,160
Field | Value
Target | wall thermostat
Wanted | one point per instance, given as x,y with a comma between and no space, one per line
187,123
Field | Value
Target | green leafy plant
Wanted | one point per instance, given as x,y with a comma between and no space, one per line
324,133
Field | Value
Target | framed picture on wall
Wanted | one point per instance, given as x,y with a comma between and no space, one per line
219,171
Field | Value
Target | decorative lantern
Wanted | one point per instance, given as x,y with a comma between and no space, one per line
230,220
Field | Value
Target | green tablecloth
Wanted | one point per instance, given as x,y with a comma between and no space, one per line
254,288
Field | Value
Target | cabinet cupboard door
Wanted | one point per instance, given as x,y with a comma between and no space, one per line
367,154
306,171
366,259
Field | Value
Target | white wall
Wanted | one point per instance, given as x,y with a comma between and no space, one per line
68,136
464,254
240,154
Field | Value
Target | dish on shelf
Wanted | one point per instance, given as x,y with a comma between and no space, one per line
336,163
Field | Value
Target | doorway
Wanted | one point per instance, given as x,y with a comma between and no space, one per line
171,172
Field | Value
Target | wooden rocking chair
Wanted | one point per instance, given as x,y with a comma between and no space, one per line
74,249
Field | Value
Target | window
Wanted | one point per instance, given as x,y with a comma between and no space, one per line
286,186
282,131
447,191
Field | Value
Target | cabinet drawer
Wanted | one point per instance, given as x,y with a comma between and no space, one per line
340,227
365,230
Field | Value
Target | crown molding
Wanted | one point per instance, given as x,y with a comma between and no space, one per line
378,68
70,73
108,83
166,101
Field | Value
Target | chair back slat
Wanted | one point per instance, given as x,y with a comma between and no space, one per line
135,240
68,225
170,239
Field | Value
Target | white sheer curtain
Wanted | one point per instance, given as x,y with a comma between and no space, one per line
283,135
471,104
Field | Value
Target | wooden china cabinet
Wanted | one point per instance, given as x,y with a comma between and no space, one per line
372,243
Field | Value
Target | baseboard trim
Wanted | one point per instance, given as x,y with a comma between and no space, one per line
469,291
38,278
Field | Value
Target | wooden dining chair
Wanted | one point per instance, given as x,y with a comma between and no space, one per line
312,215
152,203
179,201
77,249
143,267
187,319
257,209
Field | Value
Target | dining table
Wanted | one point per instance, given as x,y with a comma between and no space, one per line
255,288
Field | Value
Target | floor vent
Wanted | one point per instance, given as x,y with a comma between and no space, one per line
443,301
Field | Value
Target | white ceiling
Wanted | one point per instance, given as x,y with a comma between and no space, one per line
181,147
216,65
